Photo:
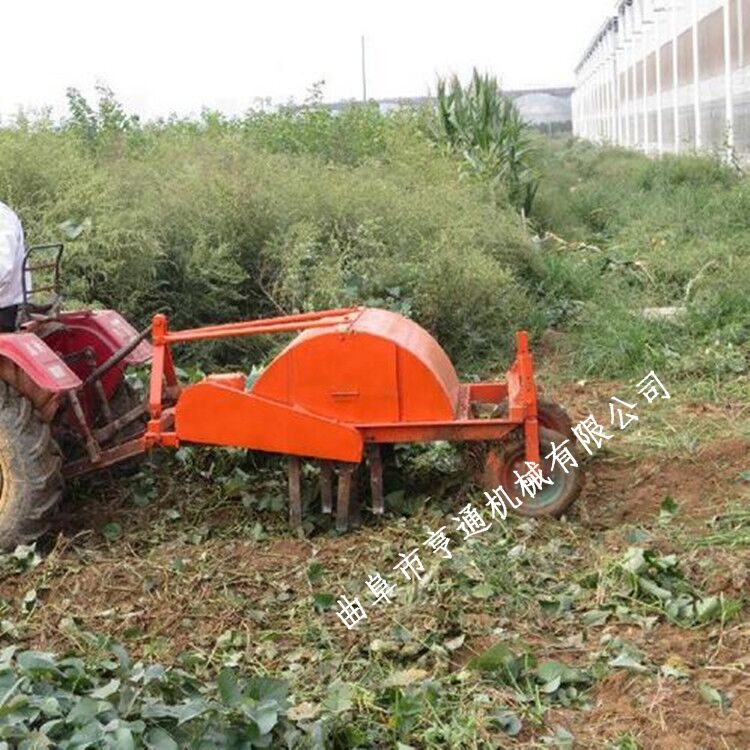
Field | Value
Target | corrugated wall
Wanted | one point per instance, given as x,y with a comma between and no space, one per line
627,91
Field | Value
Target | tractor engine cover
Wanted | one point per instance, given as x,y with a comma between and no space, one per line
380,368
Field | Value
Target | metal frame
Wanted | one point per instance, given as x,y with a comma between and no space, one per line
359,442
55,288
520,388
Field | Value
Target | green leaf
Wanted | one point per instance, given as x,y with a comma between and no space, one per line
745,475
508,723
595,617
550,670
123,738
634,560
50,706
31,661
323,602
315,573
563,739
265,715
106,690
160,739
707,608
551,686
338,697
29,600
625,660
267,688
713,696
229,688
112,531
638,536
483,591
651,587
122,656
669,509
84,712
667,670
501,660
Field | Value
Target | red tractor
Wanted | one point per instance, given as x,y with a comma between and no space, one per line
63,396
353,380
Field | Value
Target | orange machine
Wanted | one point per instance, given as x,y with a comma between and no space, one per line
353,380
350,382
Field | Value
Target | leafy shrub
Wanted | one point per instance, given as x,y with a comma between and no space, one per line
218,220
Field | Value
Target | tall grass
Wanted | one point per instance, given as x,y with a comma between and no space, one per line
672,232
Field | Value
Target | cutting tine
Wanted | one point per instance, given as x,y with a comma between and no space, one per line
344,496
375,461
326,487
295,492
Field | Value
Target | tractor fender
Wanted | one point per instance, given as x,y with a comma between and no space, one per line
110,329
102,332
34,370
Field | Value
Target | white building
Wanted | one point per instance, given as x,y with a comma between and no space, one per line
667,76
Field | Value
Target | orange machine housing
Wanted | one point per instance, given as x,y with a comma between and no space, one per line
352,377
378,369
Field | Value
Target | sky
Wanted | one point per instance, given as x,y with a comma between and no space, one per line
169,56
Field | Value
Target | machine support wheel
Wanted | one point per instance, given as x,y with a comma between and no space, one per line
508,456
30,470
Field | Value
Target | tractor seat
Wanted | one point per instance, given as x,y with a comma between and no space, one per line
33,309
28,311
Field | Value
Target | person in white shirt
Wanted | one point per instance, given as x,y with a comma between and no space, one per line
12,251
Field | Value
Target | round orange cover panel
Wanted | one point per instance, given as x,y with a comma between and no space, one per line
381,368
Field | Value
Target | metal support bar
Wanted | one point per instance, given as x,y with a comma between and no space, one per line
106,433
284,324
117,357
92,446
696,79
728,93
115,455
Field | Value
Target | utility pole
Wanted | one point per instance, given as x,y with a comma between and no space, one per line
364,73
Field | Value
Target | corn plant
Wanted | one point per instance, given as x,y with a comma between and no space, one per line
484,127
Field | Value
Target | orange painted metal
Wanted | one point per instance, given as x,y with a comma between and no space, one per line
381,367
215,414
352,376
525,366
234,380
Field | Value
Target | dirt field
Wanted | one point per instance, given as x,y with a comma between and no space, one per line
192,577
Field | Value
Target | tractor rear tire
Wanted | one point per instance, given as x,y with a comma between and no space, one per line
31,481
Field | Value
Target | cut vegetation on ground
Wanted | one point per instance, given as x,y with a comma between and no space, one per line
176,608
